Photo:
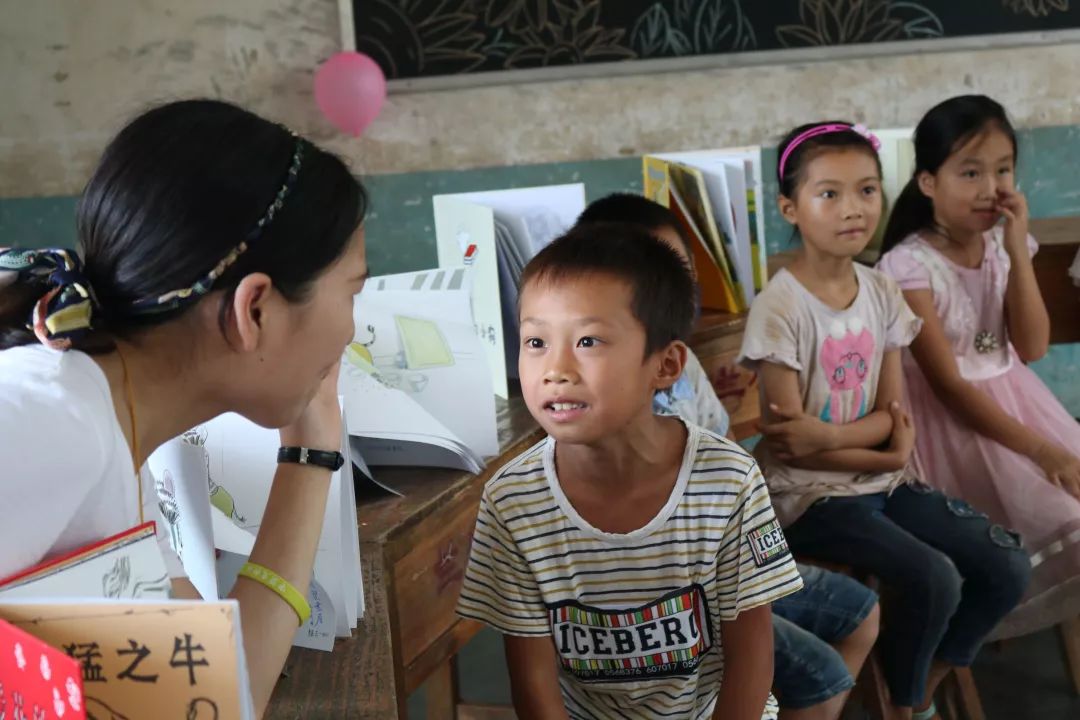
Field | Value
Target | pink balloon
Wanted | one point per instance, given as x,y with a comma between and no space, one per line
350,89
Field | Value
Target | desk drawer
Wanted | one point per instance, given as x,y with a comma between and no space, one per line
427,579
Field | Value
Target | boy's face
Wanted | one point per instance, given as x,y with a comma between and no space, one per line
582,364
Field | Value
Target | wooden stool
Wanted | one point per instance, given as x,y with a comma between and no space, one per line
957,696
872,690
1070,637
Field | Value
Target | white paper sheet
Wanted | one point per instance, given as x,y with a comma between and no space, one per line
234,461
179,471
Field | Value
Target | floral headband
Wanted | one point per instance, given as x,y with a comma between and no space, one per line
825,129
174,299
65,312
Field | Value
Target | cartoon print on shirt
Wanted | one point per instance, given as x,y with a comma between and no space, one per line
846,355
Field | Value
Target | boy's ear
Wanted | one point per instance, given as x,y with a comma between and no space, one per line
672,363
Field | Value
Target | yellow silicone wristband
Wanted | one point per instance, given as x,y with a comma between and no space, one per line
281,586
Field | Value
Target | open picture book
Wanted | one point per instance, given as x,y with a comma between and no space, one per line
216,479
415,381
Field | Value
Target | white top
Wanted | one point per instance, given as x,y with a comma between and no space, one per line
635,617
67,478
693,398
837,355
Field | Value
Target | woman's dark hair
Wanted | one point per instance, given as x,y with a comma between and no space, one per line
178,189
662,290
801,155
637,210
946,128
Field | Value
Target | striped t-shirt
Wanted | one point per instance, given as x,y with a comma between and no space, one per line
635,617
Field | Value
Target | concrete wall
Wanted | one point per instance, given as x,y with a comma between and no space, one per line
73,71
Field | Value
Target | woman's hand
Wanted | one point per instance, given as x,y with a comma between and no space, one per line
319,426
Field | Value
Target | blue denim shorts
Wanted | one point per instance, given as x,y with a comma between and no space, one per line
807,669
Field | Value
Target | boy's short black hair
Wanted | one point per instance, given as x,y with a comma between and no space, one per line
661,285
636,210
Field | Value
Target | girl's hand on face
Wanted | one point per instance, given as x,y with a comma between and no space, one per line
1014,208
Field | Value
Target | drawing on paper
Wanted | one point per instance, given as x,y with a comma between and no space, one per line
170,511
358,353
119,583
423,343
420,345
220,498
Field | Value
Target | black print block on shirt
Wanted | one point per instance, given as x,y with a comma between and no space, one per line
767,543
663,639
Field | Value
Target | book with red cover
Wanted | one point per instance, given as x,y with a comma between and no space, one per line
37,681
125,565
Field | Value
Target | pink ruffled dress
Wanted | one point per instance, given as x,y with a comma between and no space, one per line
951,456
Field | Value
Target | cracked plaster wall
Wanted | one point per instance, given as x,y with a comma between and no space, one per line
73,71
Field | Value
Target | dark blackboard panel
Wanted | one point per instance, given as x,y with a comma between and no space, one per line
425,38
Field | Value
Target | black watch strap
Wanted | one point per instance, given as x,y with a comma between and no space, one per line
330,459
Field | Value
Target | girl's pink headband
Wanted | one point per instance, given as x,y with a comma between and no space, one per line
825,130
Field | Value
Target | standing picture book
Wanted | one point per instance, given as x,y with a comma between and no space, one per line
495,234
37,680
134,658
126,565
416,381
720,189
232,462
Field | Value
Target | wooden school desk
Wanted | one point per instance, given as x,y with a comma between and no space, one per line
1059,240
413,552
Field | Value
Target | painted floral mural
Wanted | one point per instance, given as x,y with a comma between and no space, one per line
1036,8
415,38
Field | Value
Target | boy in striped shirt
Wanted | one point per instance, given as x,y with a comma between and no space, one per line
628,554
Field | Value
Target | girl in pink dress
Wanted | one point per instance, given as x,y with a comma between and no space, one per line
988,429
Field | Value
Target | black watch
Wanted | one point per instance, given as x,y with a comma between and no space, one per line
331,460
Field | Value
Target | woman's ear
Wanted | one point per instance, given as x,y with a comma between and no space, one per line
672,363
249,305
787,208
